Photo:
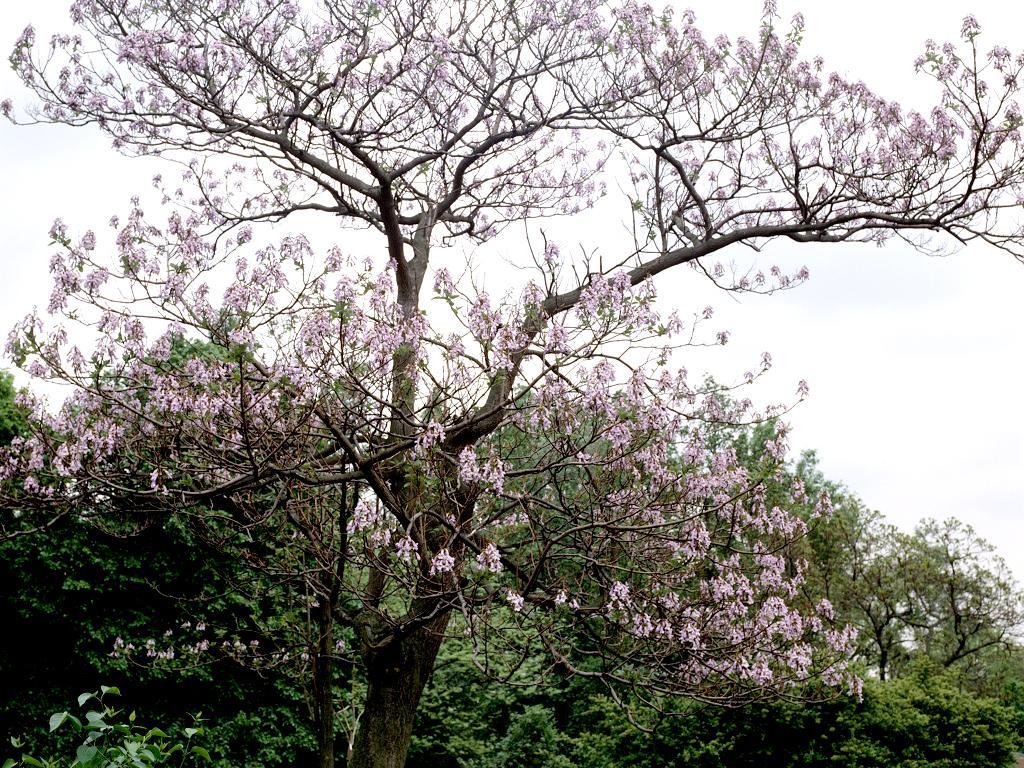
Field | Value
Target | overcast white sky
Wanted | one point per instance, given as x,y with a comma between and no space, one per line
915,363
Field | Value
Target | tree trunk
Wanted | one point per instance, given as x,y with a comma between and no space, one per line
323,690
396,676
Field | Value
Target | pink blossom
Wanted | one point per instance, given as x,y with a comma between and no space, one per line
442,563
515,600
407,550
490,559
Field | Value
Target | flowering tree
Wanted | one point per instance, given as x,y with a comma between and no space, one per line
406,445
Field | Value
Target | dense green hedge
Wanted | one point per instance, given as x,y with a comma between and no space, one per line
923,720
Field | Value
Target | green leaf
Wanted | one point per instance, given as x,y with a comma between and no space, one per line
10,762
113,690
29,760
84,697
56,720
85,754
94,717
202,753
156,732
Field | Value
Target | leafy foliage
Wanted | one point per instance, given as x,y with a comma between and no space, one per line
13,418
75,590
108,742
921,719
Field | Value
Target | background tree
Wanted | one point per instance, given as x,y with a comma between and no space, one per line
531,461
939,592
967,601
871,581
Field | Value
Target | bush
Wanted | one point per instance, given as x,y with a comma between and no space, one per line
108,743
925,719
532,741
